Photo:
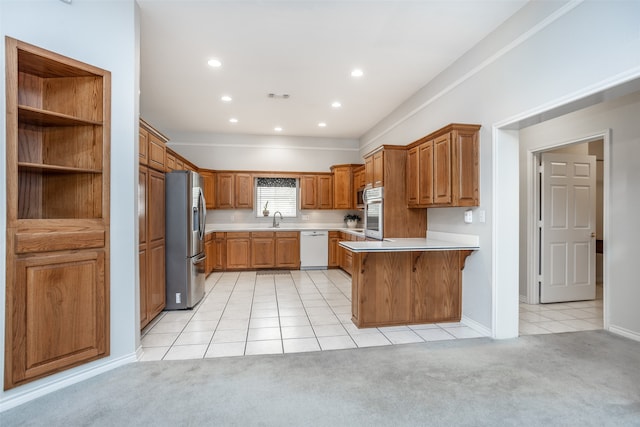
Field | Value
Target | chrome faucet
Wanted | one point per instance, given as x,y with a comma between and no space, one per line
276,224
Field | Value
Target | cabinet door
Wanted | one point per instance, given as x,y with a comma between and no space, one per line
412,176
179,164
308,192
143,140
442,169
466,168
263,250
171,162
59,313
220,260
368,171
238,250
143,177
425,175
325,192
156,243
244,191
209,179
378,169
342,188
436,286
334,254
142,262
288,249
225,191
157,153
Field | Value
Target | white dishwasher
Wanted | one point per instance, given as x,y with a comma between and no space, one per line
314,250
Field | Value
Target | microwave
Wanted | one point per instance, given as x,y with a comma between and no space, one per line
373,212
359,198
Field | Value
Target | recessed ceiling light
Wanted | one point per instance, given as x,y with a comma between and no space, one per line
226,98
277,129
322,124
233,120
214,62
357,73
336,104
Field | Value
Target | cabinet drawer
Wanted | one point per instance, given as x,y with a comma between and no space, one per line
238,235
284,234
262,234
58,240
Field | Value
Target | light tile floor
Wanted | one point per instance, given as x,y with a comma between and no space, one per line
562,317
244,313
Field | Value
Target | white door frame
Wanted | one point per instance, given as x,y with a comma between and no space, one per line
533,206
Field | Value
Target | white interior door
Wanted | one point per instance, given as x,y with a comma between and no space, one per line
568,227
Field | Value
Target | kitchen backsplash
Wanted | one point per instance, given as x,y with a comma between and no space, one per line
244,216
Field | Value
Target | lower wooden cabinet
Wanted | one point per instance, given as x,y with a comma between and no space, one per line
256,250
60,311
287,249
398,288
334,249
151,217
238,250
210,252
263,249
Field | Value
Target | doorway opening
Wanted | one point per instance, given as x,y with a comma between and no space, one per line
567,237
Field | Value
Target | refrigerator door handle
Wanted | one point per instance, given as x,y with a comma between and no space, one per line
198,259
203,214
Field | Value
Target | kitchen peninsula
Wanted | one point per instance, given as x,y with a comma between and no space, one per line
408,281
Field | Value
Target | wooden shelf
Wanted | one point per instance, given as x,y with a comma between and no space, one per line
37,167
39,117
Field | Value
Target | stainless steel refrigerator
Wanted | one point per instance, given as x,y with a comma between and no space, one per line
186,214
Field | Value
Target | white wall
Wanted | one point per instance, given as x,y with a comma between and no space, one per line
104,34
264,153
621,117
549,53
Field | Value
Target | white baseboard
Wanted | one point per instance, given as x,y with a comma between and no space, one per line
624,332
481,329
19,397
139,353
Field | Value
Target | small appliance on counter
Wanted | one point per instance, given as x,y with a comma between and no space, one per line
186,215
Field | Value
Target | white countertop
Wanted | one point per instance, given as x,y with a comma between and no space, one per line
435,241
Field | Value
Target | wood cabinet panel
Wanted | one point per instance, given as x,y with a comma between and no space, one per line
287,251
425,175
308,192
238,249
156,292
334,249
342,187
220,260
225,190
466,163
210,252
143,141
263,247
142,265
325,192
436,286
61,311
442,170
389,300
156,214
368,171
171,162
243,191
378,169
157,153
412,176
209,179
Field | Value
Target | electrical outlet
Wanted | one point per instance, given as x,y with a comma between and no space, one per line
468,216
178,298
305,217
233,218
482,216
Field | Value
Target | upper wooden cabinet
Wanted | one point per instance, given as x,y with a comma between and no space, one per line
343,186
57,201
234,190
374,169
316,191
443,168
209,178
154,154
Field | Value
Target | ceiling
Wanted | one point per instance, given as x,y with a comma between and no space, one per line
305,49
